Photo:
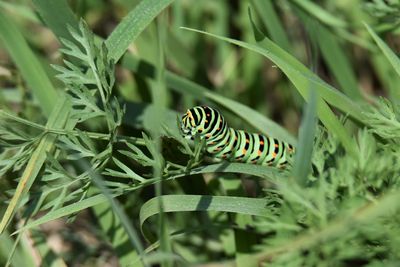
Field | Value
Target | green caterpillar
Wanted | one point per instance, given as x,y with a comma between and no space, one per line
224,142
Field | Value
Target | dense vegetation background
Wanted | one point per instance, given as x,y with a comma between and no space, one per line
94,172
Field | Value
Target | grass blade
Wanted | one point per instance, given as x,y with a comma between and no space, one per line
27,63
132,25
302,163
56,15
334,56
57,120
179,203
116,207
289,64
269,18
320,13
390,55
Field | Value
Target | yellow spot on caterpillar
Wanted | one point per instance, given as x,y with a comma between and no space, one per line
273,154
244,151
259,152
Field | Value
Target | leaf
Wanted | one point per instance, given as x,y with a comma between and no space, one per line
30,67
57,14
334,55
132,25
320,13
390,55
302,164
128,172
270,19
179,203
116,207
57,120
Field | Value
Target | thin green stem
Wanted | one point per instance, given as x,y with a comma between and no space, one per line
99,136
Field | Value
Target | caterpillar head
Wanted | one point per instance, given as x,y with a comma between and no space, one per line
193,122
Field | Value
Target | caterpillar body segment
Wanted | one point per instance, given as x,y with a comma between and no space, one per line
224,142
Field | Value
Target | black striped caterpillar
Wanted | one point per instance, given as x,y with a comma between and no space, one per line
224,142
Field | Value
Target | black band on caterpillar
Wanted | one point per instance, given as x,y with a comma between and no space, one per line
224,142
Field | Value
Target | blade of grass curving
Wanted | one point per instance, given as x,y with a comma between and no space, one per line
132,25
302,163
334,55
56,15
270,173
286,61
27,63
387,75
66,210
390,55
57,120
301,77
186,86
269,18
179,203
320,13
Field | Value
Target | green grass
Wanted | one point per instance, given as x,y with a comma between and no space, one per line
89,133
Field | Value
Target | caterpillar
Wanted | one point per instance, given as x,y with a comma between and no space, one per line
224,142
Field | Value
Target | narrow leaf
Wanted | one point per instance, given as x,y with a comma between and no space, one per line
179,203
30,67
132,25
57,120
390,55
